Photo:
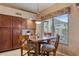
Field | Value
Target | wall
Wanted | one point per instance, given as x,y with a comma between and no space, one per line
16,12
73,47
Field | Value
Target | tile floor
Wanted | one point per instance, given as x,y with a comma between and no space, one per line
17,53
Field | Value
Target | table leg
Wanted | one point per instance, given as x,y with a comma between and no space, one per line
39,47
36,49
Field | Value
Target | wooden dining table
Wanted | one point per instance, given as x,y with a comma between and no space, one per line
38,43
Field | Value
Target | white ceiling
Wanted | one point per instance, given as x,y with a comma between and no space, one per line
32,7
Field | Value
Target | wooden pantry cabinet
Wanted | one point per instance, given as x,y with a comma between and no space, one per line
16,31
10,28
5,33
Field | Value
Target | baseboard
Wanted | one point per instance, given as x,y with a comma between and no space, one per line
62,53
9,50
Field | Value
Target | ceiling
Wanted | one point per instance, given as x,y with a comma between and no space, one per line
31,7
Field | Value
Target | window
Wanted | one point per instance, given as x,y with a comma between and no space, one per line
58,24
48,26
61,27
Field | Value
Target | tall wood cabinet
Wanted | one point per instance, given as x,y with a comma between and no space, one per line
5,39
10,28
16,30
5,32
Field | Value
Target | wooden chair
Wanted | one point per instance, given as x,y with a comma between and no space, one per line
47,48
25,45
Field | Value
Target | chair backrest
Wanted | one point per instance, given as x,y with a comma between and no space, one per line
57,42
23,40
23,37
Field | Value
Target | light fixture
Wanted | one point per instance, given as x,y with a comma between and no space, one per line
38,21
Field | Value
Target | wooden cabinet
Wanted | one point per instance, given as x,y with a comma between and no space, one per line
17,22
16,32
24,24
31,24
28,24
10,28
5,21
5,39
5,32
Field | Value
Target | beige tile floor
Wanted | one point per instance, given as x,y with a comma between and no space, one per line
17,53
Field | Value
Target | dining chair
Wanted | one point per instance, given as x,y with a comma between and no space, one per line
51,47
25,45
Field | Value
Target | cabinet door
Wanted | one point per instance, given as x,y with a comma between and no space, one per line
16,33
17,28
5,39
24,24
17,22
5,21
31,24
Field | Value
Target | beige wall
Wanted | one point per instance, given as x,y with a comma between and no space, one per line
73,47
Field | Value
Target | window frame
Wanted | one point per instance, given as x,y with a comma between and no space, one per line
67,26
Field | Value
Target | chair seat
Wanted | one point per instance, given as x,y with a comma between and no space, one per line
48,46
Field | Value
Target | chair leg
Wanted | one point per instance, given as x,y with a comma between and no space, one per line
21,51
28,53
54,53
47,53
42,52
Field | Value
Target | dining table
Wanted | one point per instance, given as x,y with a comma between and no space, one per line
39,41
